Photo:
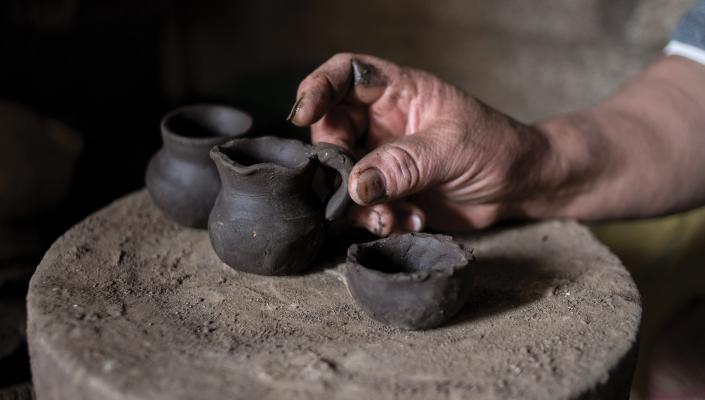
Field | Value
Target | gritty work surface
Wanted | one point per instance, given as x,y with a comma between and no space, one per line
127,305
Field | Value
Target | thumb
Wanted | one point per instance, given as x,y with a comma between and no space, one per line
400,168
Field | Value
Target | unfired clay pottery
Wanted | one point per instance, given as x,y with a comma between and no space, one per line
267,218
412,281
181,177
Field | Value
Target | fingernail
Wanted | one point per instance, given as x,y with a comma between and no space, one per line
365,74
377,226
370,186
415,223
295,108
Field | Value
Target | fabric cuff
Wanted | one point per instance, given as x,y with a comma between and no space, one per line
676,48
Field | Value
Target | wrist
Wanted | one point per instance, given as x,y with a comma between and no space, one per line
572,171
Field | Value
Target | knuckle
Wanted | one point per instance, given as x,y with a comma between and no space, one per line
312,82
342,56
379,220
316,79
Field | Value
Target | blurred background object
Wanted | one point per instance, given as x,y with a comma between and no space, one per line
37,158
96,77
674,367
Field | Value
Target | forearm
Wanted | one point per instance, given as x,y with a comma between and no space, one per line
639,153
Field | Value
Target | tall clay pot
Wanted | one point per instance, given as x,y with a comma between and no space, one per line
268,218
181,178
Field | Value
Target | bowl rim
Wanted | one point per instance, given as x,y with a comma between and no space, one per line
352,263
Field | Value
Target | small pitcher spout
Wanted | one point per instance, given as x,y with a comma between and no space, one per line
261,164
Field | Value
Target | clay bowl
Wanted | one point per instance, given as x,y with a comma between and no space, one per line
413,281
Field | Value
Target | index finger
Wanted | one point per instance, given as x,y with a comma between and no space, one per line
354,78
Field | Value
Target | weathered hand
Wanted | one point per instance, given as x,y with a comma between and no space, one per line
430,153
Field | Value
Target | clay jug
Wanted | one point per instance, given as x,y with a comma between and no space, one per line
268,219
181,178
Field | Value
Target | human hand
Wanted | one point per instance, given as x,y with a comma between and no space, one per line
430,154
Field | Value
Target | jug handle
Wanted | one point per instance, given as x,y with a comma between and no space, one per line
335,157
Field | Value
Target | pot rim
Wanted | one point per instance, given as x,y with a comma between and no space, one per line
217,154
207,140
416,276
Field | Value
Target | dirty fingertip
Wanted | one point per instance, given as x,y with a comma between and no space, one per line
377,220
298,105
370,186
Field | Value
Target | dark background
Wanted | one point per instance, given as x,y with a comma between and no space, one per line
103,69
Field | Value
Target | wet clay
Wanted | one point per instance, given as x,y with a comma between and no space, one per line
181,177
128,305
413,281
267,218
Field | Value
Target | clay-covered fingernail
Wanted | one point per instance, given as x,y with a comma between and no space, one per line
366,74
370,186
295,108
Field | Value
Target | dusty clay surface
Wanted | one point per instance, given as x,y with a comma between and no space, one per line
127,305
